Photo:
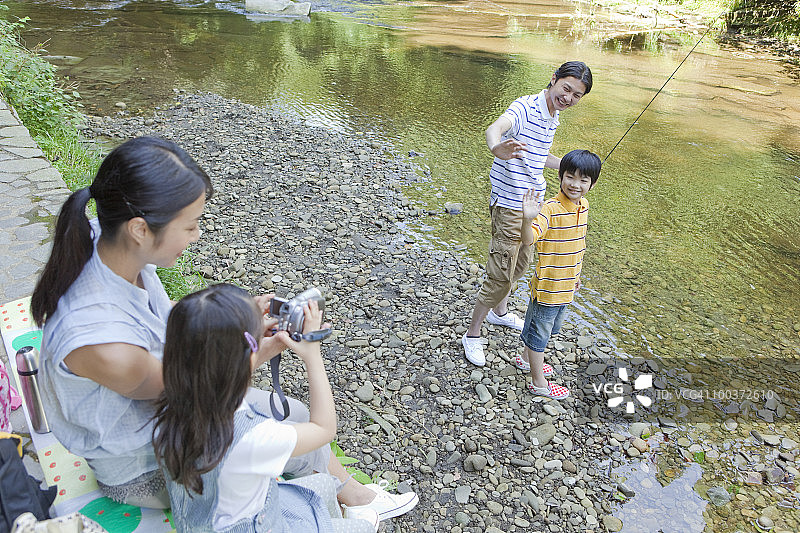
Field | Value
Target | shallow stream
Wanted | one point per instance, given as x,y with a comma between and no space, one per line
694,242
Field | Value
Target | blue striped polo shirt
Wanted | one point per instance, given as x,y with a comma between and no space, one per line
532,124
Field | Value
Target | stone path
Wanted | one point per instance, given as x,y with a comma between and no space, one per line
32,192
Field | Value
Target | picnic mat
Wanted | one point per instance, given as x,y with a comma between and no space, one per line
77,487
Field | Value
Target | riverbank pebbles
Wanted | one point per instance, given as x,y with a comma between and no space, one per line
296,206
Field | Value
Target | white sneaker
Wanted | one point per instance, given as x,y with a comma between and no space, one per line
363,513
509,320
385,504
473,349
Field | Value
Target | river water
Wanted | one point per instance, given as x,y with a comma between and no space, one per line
694,242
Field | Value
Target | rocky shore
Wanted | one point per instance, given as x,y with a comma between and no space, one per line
297,205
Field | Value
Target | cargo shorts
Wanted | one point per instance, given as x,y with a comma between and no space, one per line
508,257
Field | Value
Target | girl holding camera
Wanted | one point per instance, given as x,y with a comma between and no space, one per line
220,453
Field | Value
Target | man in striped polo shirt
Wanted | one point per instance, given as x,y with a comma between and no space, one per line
559,230
520,141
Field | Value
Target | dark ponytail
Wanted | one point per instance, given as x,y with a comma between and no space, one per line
72,248
144,177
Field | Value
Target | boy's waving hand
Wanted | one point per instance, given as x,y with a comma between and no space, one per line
532,204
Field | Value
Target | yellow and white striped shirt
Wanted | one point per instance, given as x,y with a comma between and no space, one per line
560,236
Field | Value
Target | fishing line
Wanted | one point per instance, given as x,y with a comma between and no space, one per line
659,91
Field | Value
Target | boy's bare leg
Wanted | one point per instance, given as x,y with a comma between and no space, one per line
479,313
536,359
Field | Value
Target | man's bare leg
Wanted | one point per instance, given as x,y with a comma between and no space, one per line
479,313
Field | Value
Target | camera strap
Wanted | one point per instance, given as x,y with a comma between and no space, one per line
313,336
274,363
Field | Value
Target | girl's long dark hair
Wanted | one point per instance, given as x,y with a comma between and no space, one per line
144,177
206,374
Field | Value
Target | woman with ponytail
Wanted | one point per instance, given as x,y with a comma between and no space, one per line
104,310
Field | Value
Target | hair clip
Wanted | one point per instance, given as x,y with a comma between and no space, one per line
251,340
135,211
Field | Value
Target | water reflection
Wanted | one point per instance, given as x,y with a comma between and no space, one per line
671,507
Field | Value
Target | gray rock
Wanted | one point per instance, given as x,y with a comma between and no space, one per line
279,7
475,463
541,435
595,369
626,490
454,458
494,507
667,422
765,522
718,496
774,475
462,518
766,415
612,523
552,464
520,437
483,393
771,403
462,494
430,457
584,341
453,208
366,392
550,409
753,478
640,429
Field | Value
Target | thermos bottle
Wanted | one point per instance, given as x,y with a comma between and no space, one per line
28,369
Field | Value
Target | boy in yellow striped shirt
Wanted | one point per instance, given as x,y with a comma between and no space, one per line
558,227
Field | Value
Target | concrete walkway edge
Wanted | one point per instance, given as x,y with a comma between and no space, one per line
32,192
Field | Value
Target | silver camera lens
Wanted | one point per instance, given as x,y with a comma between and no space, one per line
291,316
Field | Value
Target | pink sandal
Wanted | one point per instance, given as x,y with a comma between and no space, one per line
525,366
557,392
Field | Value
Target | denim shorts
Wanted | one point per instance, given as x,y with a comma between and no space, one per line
541,321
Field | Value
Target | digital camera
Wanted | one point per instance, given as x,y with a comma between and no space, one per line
290,312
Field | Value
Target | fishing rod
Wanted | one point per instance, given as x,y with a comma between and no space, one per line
662,87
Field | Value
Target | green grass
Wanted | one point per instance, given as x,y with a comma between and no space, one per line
181,279
347,463
774,18
709,8
50,107
77,161
358,475
705,8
